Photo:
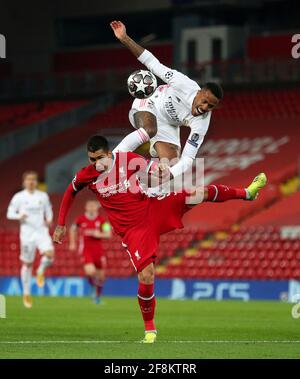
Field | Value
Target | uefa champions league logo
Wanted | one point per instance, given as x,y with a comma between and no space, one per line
2,306
2,47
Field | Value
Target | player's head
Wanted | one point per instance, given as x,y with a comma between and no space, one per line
30,180
207,98
92,207
99,153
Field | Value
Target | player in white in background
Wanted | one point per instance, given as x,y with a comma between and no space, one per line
33,210
159,117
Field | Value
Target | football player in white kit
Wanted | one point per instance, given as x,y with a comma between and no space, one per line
32,208
158,119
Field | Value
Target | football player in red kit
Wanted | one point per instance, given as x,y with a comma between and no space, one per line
115,178
91,228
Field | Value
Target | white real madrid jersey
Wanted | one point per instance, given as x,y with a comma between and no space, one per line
35,205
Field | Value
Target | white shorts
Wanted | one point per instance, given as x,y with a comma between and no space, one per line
29,244
165,132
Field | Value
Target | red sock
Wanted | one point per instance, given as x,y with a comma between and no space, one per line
91,280
219,193
147,303
98,284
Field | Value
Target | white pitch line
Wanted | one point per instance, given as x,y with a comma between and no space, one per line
159,341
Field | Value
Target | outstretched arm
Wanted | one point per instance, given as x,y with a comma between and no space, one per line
73,237
81,180
120,32
65,206
199,129
168,75
48,211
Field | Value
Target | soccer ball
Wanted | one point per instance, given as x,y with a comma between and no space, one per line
141,84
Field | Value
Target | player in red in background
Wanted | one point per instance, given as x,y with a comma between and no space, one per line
91,228
114,177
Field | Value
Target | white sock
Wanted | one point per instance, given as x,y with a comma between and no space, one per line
45,262
133,140
26,275
248,197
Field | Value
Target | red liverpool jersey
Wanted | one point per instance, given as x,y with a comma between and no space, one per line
119,190
86,225
137,218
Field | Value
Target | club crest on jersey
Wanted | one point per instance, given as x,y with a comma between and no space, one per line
168,75
73,183
137,255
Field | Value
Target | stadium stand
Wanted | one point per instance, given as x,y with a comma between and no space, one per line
15,116
246,137
251,141
52,147
68,263
115,58
269,47
263,104
284,212
249,253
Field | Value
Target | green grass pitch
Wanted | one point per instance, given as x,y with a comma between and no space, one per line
77,328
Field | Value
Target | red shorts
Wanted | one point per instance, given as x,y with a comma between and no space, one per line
95,257
164,215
